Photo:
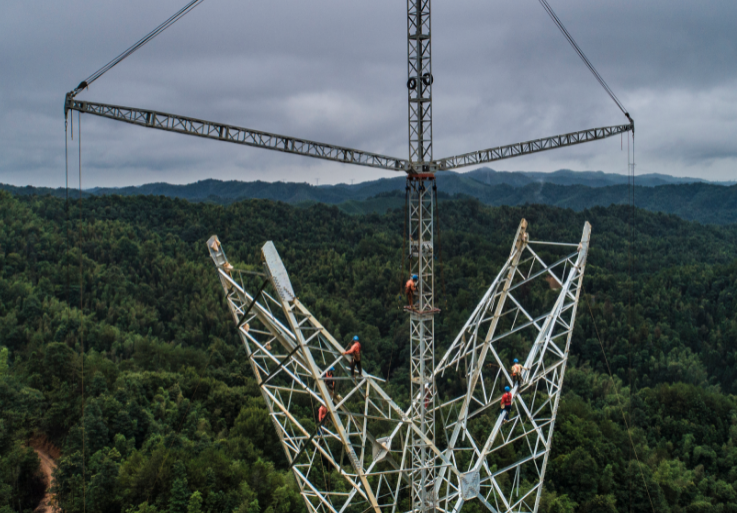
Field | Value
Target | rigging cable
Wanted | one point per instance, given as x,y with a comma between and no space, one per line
183,420
619,400
81,314
440,250
630,311
631,173
583,57
141,42
404,241
317,452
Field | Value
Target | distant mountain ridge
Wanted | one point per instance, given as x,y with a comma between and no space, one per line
452,182
692,199
588,178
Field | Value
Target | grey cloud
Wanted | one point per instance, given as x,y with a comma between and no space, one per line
335,71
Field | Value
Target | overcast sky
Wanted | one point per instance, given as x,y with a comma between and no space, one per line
335,71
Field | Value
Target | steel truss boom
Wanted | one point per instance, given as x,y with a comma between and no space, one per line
237,135
525,148
297,146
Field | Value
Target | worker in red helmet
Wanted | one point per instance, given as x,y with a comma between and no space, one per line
410,288
506,404
355,350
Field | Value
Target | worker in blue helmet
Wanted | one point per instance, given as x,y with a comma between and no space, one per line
355,350
330,381
506,404
410,288
517,372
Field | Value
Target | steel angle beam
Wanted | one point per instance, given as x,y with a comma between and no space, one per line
237,135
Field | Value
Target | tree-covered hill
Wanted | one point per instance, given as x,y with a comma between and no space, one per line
173,421
708,204
703,202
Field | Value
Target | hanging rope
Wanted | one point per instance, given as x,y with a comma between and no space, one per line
81,313
66,157
182,421
583,57
440,250
66,202
141,42
316,453
404,238
619,401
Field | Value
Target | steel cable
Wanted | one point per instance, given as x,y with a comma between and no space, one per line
440,250
404,240
81,316
619,401
141,42
583,57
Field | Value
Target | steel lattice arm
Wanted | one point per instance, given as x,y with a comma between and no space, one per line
238,135
525,148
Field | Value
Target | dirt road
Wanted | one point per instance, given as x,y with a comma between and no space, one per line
47,454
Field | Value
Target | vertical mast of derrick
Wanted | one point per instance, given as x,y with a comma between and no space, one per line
420,183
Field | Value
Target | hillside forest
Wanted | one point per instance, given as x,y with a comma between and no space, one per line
708,203
116,346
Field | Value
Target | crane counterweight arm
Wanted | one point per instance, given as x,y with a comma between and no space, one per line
237,135
525,148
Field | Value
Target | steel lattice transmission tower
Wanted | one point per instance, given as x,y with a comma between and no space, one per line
375,454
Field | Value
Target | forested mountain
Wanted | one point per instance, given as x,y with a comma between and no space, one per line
173,421
703,202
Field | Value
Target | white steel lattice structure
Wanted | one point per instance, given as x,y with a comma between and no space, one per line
368,455
358,461
529,311
381,456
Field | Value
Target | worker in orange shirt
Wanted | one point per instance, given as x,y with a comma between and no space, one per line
355,350
330,381
322,417
517,372
506,404
410,288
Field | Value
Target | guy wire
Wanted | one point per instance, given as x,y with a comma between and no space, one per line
404,238
619,400
440,248
81,314
184,418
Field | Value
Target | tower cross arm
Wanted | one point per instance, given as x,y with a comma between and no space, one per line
528,147
238,135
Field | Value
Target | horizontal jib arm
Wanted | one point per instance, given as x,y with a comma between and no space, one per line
238,135
526,148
